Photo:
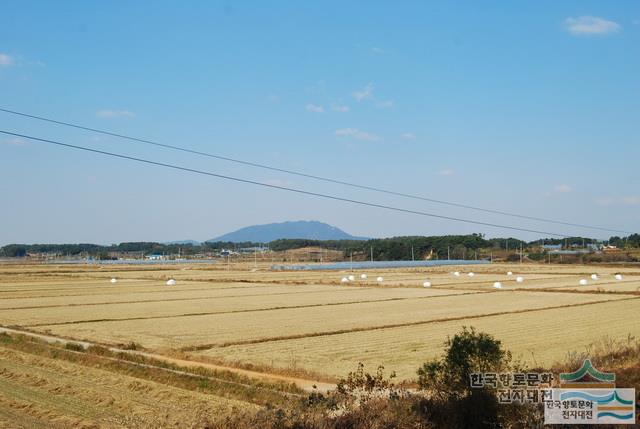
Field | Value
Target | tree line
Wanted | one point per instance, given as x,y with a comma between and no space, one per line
394,248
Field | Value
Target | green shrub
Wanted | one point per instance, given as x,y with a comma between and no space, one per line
453,403
467,352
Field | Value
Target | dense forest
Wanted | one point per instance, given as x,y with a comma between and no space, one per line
395,248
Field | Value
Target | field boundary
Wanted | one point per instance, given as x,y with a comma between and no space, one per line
304,384
158,300
293,307
389,326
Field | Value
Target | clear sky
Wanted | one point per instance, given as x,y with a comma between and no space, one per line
530,107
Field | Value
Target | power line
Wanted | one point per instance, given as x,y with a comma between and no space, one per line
310,176
283,188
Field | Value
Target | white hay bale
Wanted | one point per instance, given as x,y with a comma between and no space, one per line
352,278
471,274
379,279
497,285
509,273
520,279
426,284
171,282
583,282
456,273
594,277
114,280
618,276
363,276
344,280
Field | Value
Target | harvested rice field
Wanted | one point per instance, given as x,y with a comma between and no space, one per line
184,330
539,337
42,392
311,321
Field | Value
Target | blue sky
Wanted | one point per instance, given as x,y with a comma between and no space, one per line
529,107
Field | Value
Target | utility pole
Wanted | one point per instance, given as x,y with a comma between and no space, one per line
412,257
520,252
371,253
351,259
448,254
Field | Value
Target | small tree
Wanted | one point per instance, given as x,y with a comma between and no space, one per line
448,380
467,352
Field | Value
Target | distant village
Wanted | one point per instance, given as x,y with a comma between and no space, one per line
205,253
151,256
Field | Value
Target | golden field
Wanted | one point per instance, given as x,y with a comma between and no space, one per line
175,329
241,314
539,337
40,392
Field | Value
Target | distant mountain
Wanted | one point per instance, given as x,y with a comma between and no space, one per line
312,230
193,242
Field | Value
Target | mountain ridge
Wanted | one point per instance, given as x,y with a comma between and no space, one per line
303,229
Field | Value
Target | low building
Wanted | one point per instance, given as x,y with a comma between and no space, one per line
154,257
258,249
552,246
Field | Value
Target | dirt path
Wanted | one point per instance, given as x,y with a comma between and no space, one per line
306,385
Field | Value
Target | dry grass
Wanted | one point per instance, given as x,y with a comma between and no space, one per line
538,338
307,321
215,303
159,292
54,311
37,391
219,329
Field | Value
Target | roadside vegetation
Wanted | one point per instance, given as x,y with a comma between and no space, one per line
443,398
223,384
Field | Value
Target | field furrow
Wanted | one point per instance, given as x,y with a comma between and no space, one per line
539,337
189,331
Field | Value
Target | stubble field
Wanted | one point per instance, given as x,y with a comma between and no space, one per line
300,322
